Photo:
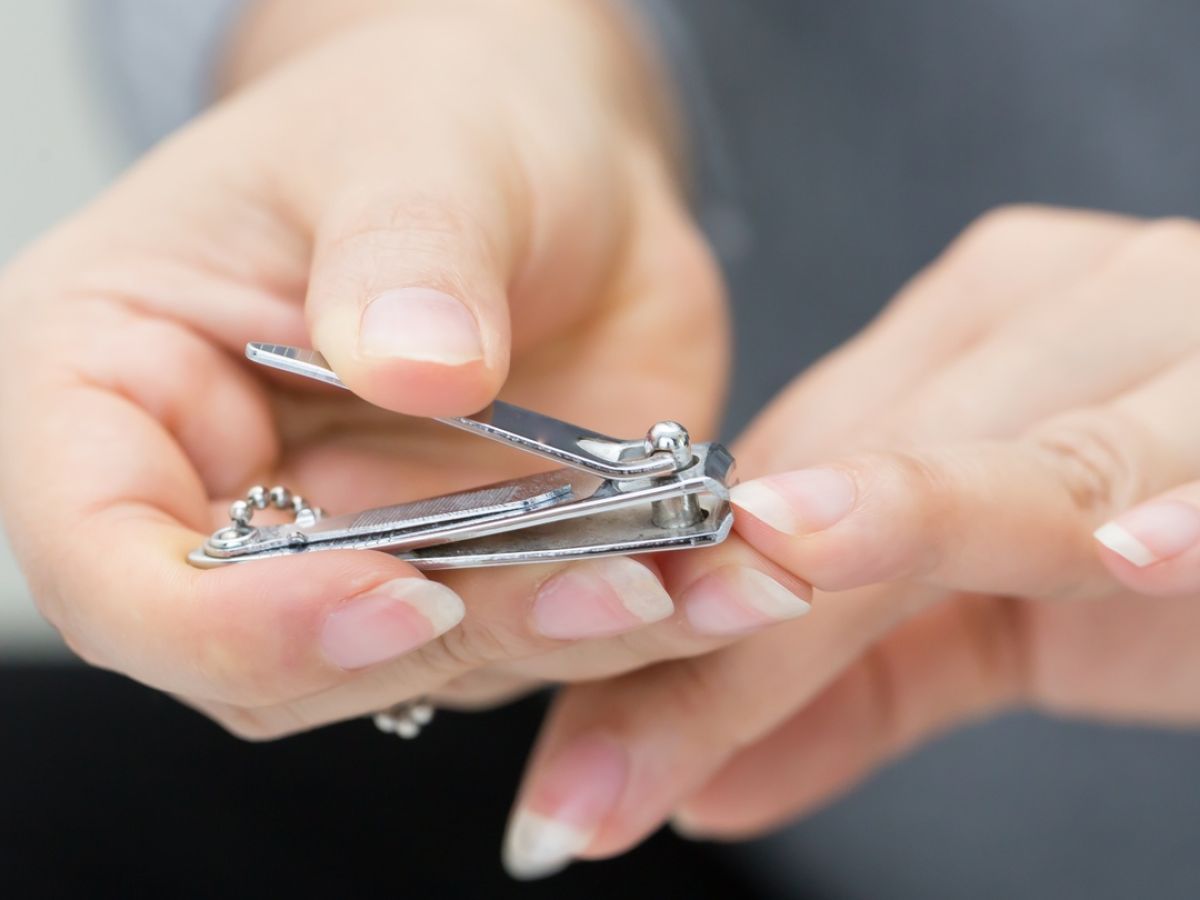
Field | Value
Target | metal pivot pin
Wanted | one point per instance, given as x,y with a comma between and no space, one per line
684,509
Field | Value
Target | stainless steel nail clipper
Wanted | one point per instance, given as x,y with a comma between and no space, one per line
610,497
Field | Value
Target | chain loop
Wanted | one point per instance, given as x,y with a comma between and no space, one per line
280,497
405,719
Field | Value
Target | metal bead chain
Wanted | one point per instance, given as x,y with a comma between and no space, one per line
259,497
405,719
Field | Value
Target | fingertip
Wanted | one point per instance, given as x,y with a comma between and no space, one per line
566,797
416,351
268,630
821,525
691,826
796,503
1154,548
423,388
420,324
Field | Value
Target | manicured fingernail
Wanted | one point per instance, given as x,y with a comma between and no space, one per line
599,597
562,809
735,600
420,324
798,502
388,621
1152,532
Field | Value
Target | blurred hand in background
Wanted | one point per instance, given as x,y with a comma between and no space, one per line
939,480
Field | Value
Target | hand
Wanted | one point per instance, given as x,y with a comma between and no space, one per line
1030,386
447,198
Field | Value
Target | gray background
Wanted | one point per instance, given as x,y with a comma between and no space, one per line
862,136
57,149
857,137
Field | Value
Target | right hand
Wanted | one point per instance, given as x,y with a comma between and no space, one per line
445,199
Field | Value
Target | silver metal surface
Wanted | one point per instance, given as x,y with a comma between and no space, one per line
562,442
520,505
576,512
618,533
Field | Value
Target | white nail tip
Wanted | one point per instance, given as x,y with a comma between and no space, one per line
683,827
764,504
639,591
770,597
536,846
436,602
1121,542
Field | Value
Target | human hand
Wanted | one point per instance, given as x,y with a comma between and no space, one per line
446,198
952,464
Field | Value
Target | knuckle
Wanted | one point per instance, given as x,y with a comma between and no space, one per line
1003,224
1096,459
993,235
465,648
697,694
387,220
930,490
924,480
1173,238
984,248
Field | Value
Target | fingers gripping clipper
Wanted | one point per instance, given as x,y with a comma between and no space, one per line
609,497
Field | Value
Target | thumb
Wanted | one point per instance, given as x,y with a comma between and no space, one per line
408,296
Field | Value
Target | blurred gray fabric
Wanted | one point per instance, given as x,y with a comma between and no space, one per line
865,135
159,58
855,139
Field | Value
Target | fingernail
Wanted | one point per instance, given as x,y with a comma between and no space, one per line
563,809
683,826
1152,532
798,502
599,597
389,621
420,324
735,600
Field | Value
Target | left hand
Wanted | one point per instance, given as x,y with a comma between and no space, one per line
440,223
1032,385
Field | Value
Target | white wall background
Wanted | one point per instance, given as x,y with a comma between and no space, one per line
56,151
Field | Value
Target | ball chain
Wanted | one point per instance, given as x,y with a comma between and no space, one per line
260,497
405,719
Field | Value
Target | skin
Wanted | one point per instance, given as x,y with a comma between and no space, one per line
1022,391
542,195
545,197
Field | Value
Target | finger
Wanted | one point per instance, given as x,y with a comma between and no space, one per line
940,315
1154,548
566,621
1019,366
990,517
953,663
615,757
720,594
561,622
514,613
439,225
408,296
